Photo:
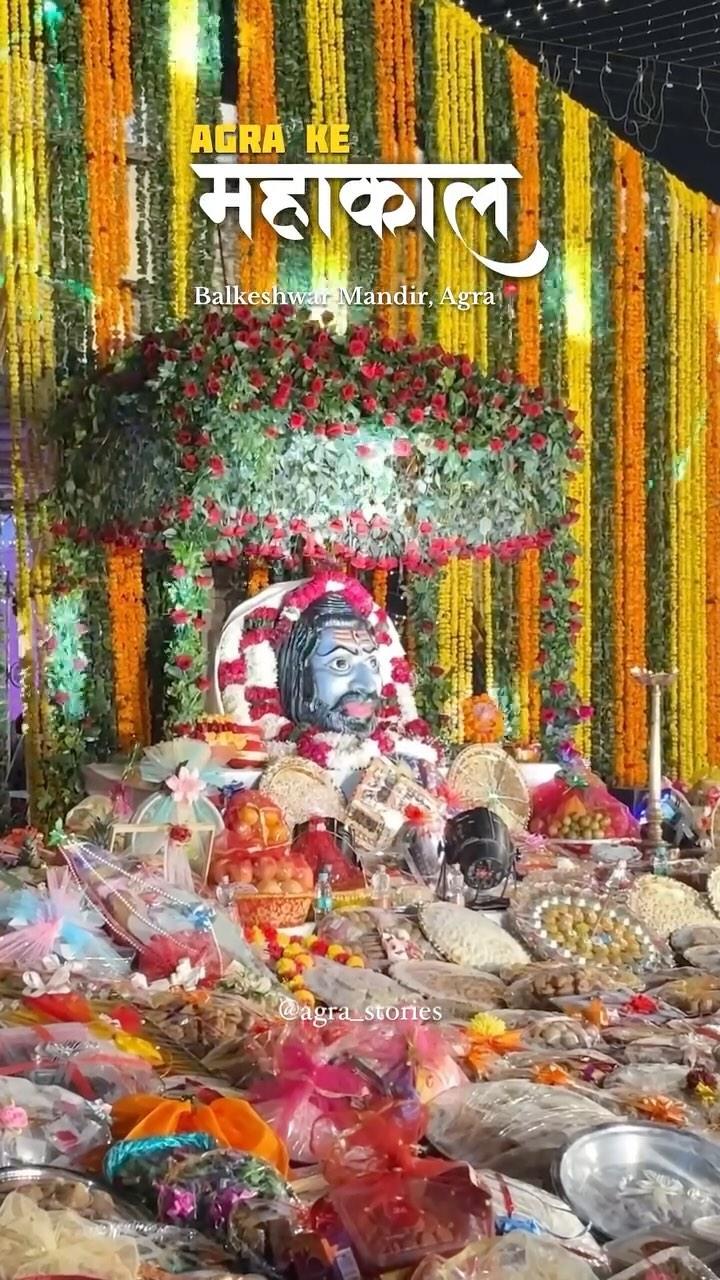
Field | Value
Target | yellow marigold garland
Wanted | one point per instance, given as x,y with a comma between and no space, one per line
712,487
577,211
182,66
673,701
699,546
325,35
477,41
20,119
467,630
445,626
128,622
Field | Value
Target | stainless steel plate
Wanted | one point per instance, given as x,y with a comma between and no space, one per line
620,1178
14,1177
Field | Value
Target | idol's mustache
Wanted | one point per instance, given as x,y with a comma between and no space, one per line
366,699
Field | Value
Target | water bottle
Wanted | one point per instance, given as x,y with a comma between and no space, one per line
323,893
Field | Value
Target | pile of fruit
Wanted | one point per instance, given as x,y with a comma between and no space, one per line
576,806
573,820
290,955
265,874
255,849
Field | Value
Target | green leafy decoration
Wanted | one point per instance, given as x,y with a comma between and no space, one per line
551,234
67,174
432,684
292,87
658,451
263,434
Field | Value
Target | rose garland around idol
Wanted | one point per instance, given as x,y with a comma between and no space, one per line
249,682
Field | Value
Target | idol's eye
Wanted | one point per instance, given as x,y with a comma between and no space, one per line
341,665
373,663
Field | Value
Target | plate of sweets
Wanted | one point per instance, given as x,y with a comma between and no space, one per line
234,745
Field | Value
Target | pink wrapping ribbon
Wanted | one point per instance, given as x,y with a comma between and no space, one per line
302,1077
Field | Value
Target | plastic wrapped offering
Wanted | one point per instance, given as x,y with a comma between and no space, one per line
36,1242
165,924
234,1197
305,1084
518,1256
55,924
512,1126
70,1056
48,1125
395,1206
576,807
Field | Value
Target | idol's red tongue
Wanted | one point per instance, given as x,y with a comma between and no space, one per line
358,710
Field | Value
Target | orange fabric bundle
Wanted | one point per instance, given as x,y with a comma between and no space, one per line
232,1122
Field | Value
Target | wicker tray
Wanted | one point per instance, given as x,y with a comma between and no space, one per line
487,777
302,790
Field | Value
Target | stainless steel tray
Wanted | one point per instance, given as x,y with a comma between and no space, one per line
619,1178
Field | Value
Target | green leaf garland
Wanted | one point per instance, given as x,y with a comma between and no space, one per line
603,437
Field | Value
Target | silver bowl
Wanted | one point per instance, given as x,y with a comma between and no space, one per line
620,1178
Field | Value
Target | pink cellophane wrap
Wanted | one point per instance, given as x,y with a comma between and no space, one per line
62,907
397,1206
307,1084
425,1053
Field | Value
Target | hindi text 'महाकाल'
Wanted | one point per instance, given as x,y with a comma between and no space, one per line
364,192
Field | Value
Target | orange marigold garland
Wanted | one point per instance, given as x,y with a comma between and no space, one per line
380,587
630,708
128,622
258,579
108,105
255,26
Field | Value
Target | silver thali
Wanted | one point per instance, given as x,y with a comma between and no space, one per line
620,1177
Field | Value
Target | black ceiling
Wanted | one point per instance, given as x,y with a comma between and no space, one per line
651,67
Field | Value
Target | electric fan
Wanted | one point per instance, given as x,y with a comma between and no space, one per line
478,843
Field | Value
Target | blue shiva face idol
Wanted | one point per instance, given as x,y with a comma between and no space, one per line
329,670
346,679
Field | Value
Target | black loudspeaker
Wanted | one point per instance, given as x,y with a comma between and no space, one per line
479,844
